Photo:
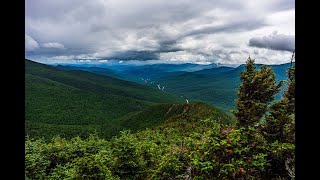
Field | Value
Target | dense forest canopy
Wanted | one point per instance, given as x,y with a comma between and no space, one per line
194,141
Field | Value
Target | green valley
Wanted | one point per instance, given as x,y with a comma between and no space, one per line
71,103
81,125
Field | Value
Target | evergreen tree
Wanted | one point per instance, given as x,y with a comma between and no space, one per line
255,93
279,131
290,92
277,120
280,121
290,95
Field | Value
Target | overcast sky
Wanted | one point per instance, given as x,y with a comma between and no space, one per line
196,31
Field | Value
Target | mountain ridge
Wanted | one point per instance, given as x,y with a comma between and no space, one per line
73,103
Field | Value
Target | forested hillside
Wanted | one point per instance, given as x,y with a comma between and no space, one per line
213,84
185,140
216,86
71,103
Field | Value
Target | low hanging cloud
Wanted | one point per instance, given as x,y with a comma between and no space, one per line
134,55
53,45
274,41
30,43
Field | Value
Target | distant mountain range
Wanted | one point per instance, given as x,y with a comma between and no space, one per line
214,84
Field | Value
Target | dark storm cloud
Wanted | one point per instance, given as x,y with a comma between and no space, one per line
164,46
274,41
143,55
133,55
168,46
232,27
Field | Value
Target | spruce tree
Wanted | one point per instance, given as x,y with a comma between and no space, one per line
280,120
277,121
290,92
290,95
279,129
255,93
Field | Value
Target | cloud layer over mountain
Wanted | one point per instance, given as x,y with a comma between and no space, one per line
220,31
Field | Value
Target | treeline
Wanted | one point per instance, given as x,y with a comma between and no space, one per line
260,145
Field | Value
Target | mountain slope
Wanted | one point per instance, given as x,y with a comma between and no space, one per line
136,72
98,83
176,78
184,127
158,114
73,103
207,83
216,86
